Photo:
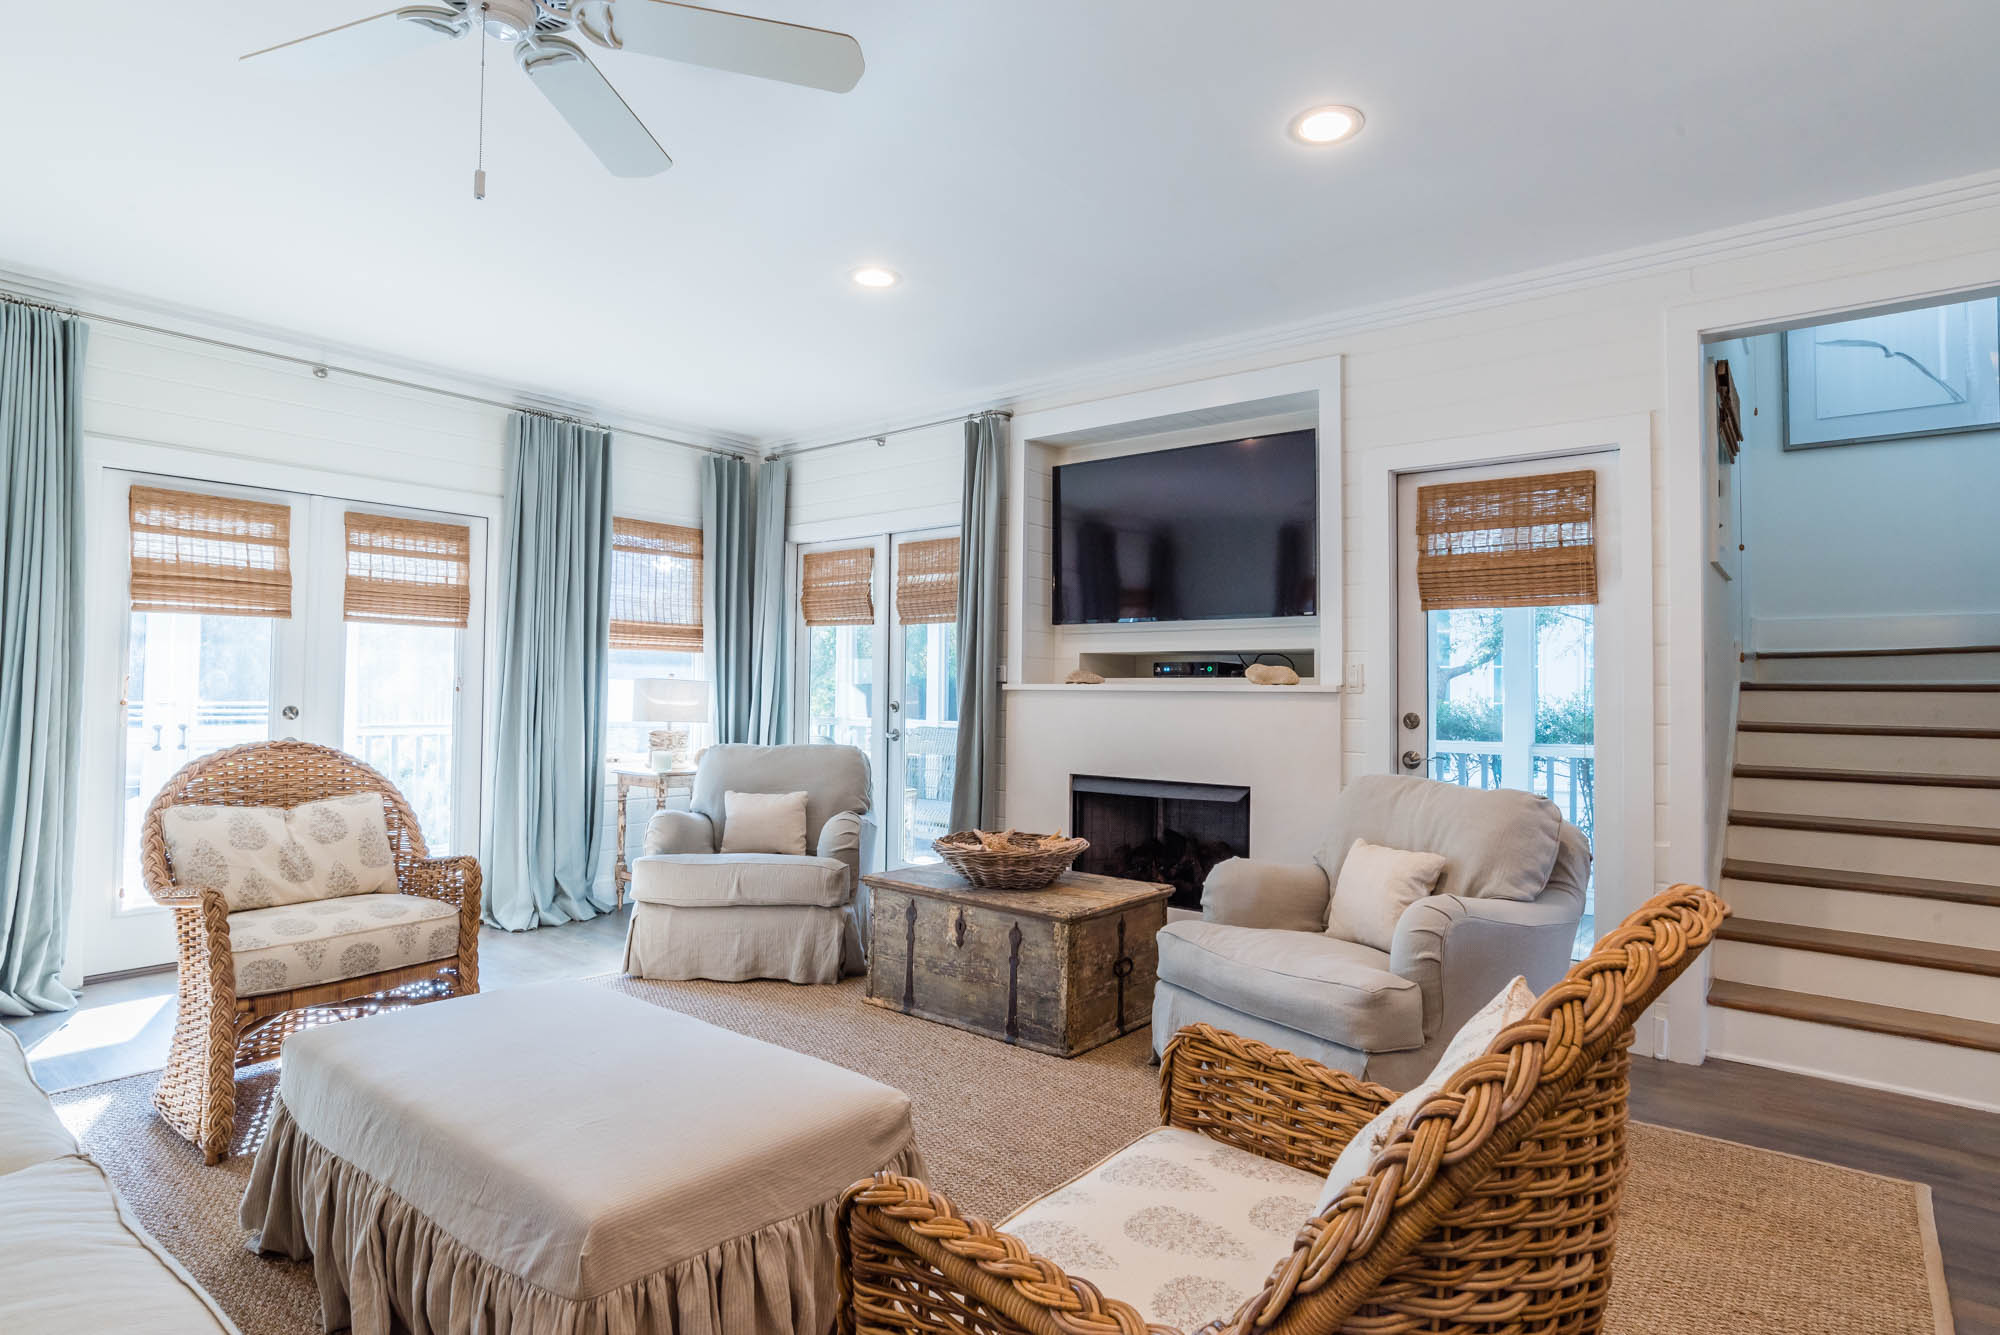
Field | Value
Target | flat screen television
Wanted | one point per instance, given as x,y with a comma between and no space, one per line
1199,533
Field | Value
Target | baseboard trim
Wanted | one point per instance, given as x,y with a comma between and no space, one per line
1862,1082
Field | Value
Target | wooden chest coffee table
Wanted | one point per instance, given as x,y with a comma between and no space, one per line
1059,970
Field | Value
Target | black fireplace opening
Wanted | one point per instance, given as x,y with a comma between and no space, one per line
1154,830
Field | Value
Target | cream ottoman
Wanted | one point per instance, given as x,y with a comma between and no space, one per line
565,1160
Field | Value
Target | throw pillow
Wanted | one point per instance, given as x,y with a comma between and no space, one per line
1511,1004
260,857
764,823
1375,885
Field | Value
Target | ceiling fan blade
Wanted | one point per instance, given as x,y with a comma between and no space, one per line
586,99
721,40
377,37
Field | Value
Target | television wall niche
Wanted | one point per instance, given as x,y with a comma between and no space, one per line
1227,530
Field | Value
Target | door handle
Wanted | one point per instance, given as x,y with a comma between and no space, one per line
1413,760
290,711
894,734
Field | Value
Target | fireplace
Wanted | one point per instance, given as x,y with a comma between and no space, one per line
1150,830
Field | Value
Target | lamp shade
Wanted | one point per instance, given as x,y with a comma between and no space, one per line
670,700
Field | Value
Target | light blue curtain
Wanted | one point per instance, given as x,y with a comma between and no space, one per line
975,788
545,813
728,577
41,637
770,641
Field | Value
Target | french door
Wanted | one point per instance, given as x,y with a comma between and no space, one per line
885,679
1509,697
396,682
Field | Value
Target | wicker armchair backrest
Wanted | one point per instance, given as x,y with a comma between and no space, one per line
1557,1075
273,774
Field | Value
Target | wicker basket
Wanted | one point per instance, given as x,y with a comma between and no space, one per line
1021,862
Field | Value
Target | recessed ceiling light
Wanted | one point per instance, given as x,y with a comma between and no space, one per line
1325,125
874,275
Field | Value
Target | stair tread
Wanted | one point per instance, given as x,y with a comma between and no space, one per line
1906,687
1856,1015
1878,653
1871,730
1881,883
1862,945
1867,776
1888,829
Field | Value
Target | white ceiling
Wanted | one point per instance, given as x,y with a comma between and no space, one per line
1062,182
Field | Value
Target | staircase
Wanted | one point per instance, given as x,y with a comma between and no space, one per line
1862,866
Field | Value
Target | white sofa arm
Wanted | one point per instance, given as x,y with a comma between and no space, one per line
1246,893
1461,951
680,832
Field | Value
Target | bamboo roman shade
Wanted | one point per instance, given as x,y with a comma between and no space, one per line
407,572
837,588
927,581
655,586
221,555
1508,542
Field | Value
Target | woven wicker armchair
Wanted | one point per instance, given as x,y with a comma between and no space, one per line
1493,1212
216,1032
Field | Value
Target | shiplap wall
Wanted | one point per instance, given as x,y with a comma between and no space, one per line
910,481
228,406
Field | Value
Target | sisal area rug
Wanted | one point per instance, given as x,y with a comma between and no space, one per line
1714,1236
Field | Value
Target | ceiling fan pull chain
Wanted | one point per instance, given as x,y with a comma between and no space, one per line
479,166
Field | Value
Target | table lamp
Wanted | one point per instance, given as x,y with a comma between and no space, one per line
669,700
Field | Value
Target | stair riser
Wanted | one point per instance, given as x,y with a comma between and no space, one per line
1933,991
1936,709
1903,917
1964,1076
1870,801
1910,667
1926,858
1901,755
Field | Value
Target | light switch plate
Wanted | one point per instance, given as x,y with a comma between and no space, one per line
1356,680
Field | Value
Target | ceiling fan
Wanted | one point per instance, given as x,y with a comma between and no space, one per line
539,31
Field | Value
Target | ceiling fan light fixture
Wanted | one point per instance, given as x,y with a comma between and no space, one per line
874,275
508,20
1319,126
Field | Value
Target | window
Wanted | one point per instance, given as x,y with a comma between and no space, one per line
656,630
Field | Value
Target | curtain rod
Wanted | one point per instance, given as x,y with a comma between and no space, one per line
322,369
881,436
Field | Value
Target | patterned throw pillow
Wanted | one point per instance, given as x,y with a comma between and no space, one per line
260,857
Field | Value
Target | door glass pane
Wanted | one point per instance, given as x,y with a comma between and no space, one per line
402,708
840,696
1565,749
930,735
1513,705
1467,655
196,684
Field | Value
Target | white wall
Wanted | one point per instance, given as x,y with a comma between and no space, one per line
1872,542
1600,345
227,407
910,482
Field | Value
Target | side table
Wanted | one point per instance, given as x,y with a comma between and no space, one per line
659,784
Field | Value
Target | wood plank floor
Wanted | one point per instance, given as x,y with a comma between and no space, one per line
123,1026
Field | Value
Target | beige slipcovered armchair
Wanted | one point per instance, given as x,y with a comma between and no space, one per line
1261,962
698,912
